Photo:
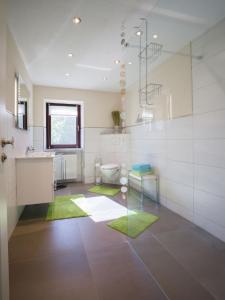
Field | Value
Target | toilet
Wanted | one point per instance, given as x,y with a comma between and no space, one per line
110,173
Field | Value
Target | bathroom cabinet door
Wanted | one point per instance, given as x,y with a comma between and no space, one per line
35,180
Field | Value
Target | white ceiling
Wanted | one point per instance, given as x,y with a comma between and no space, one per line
45,34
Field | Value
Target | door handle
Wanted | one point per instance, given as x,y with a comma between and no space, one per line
5,142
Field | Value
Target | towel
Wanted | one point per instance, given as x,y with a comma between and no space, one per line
141,167
141,173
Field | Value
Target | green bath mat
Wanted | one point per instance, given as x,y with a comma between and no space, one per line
64,208
104,190
133,224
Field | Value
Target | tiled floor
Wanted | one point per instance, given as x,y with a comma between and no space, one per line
78,259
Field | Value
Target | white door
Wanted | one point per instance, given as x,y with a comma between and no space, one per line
4,290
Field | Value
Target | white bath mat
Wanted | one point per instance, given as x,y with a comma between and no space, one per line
101,208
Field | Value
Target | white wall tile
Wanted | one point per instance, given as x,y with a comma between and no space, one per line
163,182
180,210
92,146
89,170
156,130
180,128
202,75
90,158
210,179
211,227
88,180
108,157
216,64
209,98
210,152
209,125
180,172
180,150
181,194
210,206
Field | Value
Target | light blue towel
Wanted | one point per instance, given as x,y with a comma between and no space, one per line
141,167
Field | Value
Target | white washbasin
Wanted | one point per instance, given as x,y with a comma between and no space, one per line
40,154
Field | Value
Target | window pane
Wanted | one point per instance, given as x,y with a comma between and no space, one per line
63,130
62,110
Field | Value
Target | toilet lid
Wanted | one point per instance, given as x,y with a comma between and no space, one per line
110,166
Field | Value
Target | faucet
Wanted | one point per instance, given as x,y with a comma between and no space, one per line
29,149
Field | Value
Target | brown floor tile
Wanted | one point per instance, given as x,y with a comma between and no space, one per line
65,278
172,277
42,239
79,259
196,252
119,274
97,236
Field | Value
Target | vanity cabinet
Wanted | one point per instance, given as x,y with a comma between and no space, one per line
35,180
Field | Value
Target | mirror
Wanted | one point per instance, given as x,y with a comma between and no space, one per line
22,96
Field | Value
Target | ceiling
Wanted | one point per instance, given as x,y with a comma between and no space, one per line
45,34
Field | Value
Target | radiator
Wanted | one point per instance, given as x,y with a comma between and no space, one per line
70,166
66,167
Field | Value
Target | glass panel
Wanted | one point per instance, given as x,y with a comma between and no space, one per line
158,106
63,130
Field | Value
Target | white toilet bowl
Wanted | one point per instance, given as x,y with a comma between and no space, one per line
110,173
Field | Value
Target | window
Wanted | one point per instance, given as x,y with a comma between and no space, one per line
63,125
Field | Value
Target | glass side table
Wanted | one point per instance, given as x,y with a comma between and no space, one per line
141,180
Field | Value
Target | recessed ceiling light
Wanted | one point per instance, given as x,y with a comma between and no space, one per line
139,33
129,63
67,74
105,78
70,54
155,36
117,61
76,20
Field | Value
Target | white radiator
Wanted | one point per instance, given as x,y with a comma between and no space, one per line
66,167
70,166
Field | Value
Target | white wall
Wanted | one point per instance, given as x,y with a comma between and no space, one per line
189,152
97,107
110,148
22,138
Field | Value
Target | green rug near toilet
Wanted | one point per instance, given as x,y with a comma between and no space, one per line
64,208
134,224
104,190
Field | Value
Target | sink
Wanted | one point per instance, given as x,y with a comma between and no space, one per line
40,154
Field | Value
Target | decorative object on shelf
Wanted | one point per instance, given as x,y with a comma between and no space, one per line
98,179
116,120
